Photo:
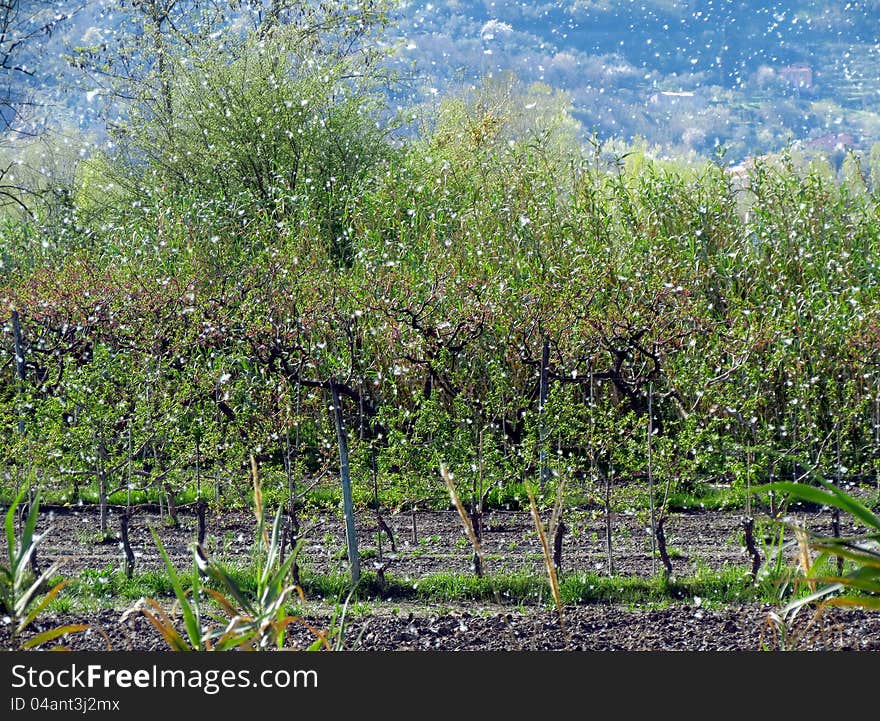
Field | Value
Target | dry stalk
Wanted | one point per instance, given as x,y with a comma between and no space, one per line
805,560
792,634
548,558
556,518
462,512
258,501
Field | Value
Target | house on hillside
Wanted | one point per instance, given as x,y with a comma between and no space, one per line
798,75
669,99
832,142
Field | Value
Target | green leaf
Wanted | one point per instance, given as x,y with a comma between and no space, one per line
10,529
217,574
238,634
871,603
806,600
833,497
855,507
36,610
801,490
224,602
316,645
274,547
846,550
30,525
166,630
19,570
190,612
22,603
867,585
865,573
54,633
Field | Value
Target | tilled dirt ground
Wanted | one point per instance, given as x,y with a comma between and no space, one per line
584,628
430,542
698,540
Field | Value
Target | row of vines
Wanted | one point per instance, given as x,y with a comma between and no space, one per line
478,290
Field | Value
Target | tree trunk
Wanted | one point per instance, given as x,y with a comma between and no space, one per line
655,527
101,474
477,525
102,502
172,504
557,545
661,546
294,540
124,519
202,513
835,531
749,532
413,529
386,529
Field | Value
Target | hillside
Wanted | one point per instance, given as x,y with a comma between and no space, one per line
688,77
456,330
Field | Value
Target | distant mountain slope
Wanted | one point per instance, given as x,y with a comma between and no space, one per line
688,76
750,76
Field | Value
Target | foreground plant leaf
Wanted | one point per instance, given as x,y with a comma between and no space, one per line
863,551
54,633
832,497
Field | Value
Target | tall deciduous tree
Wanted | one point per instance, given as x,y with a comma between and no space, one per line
244,104
23,25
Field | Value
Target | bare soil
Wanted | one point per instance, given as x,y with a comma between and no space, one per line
707,540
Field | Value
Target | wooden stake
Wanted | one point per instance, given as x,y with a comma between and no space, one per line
543,384
19,362
345,478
